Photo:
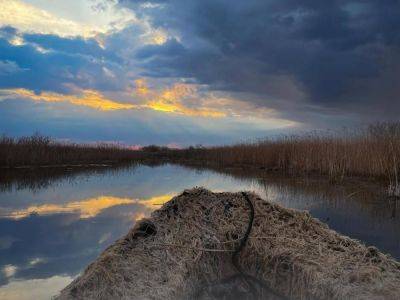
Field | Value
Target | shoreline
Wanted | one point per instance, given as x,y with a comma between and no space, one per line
247,171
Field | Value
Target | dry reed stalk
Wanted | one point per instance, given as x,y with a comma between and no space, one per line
38,151
297,256
372,152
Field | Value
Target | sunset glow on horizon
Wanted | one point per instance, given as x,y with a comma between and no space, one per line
162,80
122,121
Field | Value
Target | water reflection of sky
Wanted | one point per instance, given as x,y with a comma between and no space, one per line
49,235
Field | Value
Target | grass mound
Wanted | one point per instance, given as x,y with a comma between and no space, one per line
185,251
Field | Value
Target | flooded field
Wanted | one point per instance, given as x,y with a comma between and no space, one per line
53,226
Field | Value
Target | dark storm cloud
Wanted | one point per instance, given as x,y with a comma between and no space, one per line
337,54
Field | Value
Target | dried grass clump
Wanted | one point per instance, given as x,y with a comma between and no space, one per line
185,248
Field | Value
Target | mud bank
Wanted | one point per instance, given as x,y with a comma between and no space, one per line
194,247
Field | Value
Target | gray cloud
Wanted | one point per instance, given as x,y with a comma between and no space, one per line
316,62
131,127
49,62
336,57
9,67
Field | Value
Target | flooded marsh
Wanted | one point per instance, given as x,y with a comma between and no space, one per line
53,225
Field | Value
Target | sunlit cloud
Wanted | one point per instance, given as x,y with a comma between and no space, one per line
248,112
155,201
88,19
152,203
86,209
30,18
17,41
89,208
171,100
9,270
180,98
185,99
89,98
34,288
155,36
141,87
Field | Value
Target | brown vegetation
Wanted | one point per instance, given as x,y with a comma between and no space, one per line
184,251
39,150
372,152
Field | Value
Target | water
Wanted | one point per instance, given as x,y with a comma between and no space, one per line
51,227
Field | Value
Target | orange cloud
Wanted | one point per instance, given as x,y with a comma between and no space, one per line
89,98
153,202
182,99
141,87
170,100
87,208
91,207
212,104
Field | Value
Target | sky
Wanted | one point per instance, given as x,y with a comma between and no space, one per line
184,72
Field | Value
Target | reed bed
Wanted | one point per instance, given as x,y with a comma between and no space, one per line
39,150
370,152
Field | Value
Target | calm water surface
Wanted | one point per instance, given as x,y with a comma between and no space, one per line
50,231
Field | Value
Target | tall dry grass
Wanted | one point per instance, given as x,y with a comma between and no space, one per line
40,150
370,152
